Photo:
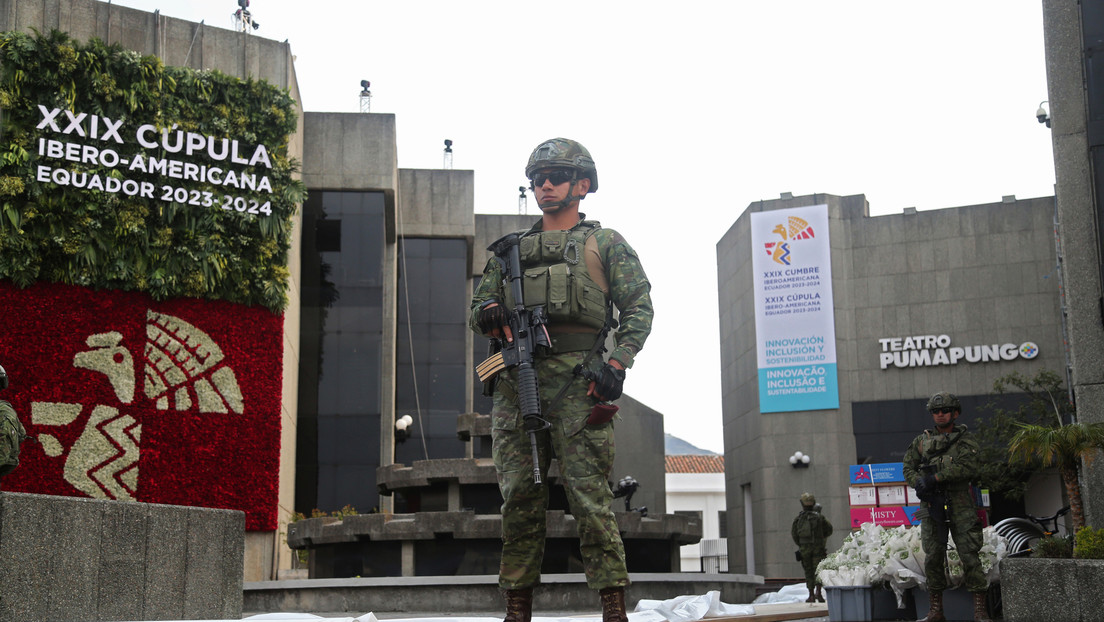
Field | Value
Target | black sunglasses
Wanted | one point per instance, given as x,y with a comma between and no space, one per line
556,176
942,411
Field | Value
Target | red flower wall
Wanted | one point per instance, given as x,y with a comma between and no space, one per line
173,402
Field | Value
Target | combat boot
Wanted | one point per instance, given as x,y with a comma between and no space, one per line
935,613
819,594
613,604
981,611
519,605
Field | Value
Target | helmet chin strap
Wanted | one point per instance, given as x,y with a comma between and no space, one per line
569,199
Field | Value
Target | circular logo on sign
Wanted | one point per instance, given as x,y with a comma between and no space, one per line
1029,350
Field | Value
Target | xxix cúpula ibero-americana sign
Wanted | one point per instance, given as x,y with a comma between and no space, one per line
145,222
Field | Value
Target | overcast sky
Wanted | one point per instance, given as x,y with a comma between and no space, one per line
692,111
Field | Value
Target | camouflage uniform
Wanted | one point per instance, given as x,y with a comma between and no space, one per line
585,453
956,468
813,548
12,434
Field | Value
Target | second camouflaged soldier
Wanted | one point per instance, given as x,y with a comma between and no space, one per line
810,531
12,433
940,464
574,269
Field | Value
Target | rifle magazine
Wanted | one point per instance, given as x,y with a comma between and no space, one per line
490,367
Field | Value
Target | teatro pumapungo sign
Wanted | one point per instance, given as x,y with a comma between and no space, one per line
933,350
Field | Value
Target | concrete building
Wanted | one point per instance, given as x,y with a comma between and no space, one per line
1072,34
916,297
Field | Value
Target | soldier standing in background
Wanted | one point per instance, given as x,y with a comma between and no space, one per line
575,269
12,432
940,464
810,531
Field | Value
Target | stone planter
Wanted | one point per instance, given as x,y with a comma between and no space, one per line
1040,589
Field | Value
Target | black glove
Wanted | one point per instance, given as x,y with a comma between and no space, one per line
491,317
608,382
926,487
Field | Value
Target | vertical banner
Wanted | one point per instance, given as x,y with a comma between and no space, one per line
794,316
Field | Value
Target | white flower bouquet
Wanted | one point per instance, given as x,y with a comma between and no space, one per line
894,557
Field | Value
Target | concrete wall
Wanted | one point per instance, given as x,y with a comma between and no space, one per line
480,593
437,203
64,558
640,454
490,228
352,152
981,274
187,44
1077,225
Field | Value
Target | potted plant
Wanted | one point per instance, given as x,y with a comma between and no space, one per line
1063,446
1034,588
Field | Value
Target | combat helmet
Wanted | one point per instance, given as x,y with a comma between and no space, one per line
563,153
944,399
3,378
808,500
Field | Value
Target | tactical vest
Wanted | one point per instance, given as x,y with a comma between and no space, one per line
942,450
555,276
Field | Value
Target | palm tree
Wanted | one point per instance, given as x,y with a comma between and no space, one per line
1064,446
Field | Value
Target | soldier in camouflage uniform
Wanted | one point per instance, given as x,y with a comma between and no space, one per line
12,433
603,269
940,464
810,531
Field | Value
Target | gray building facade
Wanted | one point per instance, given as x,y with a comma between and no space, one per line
1073,33
904,286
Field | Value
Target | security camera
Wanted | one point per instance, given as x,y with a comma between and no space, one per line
1042,115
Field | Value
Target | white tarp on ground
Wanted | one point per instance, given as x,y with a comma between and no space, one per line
678,609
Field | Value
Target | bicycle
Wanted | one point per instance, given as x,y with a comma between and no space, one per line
1023,534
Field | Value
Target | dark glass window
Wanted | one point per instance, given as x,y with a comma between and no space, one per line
430,362
340,351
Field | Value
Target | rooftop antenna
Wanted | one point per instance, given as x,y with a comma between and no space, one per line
523,201
243,19
448,154
365,96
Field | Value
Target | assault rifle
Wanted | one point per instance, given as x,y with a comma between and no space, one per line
529,331
936,497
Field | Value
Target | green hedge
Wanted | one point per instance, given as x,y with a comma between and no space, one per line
136,227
